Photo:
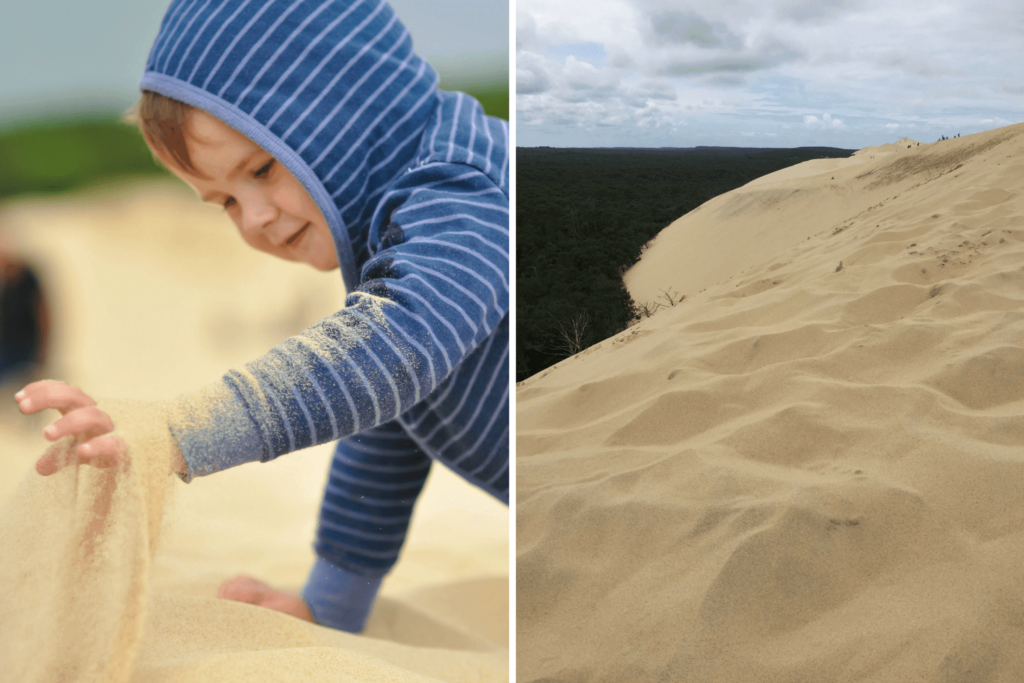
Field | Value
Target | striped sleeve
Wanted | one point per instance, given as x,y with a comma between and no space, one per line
434,288
374,481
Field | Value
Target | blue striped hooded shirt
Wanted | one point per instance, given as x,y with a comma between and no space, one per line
413,185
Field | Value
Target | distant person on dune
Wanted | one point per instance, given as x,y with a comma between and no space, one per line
325,139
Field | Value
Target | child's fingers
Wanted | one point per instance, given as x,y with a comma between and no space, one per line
87,422
103,451
51,394
51,461
241,588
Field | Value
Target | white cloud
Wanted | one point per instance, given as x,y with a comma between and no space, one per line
754,65
673,26
997,121
531,77
815,11
826,122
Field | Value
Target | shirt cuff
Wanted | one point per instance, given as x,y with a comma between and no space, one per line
214,431
338,598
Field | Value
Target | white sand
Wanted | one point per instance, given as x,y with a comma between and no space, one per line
153,295
802,472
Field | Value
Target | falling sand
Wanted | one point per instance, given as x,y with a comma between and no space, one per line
78,547
811,468
109,575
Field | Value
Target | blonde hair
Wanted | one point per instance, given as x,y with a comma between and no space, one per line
164,124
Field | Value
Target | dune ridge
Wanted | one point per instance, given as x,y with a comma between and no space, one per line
811,468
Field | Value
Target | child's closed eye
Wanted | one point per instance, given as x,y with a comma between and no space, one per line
264,170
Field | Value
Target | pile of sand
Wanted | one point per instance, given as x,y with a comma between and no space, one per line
154,295
810,469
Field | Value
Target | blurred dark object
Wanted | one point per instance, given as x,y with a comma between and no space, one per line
24,321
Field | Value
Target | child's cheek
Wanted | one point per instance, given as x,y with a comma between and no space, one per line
280,194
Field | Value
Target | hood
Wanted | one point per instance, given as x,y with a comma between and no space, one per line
332,89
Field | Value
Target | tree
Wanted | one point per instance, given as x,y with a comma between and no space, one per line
672,297
646,309
572,334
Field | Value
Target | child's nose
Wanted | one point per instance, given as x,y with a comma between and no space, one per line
257,215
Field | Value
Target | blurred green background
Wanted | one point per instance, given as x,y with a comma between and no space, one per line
52,157
68,68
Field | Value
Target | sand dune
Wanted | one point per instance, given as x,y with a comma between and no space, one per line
154,294
810,469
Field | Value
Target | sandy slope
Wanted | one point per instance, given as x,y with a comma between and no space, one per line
153,295
803,472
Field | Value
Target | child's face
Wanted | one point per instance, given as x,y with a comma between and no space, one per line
271,209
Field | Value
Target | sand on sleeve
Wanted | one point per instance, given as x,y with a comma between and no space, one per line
811,468
154,295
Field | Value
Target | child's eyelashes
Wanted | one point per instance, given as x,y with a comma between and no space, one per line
261,173
264,170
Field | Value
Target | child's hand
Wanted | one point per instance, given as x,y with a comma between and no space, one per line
91,427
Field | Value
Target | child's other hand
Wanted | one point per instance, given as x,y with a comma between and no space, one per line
91,427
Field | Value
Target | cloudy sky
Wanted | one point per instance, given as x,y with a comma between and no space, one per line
765,73
62,57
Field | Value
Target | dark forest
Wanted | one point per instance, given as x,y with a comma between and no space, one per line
584,215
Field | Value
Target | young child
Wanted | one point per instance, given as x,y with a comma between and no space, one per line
324,137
